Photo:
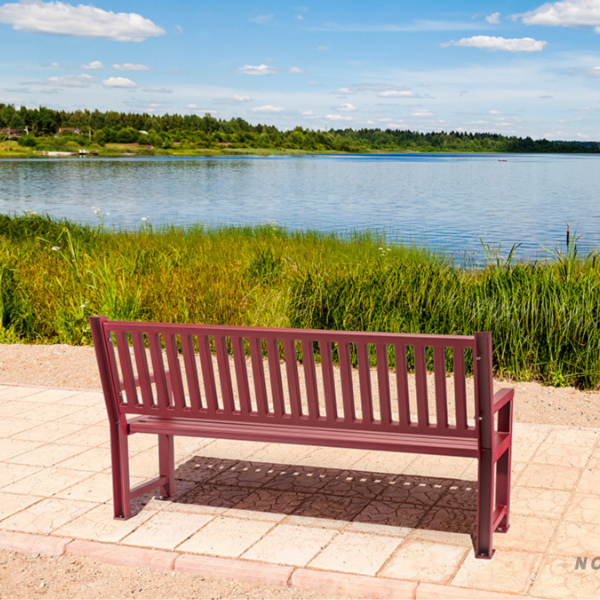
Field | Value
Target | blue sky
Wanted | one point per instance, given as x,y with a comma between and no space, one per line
514,67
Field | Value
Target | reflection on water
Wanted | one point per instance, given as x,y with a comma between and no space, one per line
441,200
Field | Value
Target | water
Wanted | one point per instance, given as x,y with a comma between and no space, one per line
445,201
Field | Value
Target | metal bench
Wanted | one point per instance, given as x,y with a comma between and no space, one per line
211,381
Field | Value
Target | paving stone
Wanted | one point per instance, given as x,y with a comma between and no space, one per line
46,482
166,530
225,536
508,571
13,427
49,412
88,459
549,477
347,585
85,399
571,437
558,578
14,503
584,508
394,463
424,491
48,432
376,529
47,455
324,506
359,553
305,479
17,393
9,474
12,409
89,436
220,496
529,534
48,395
85,416
46,516
538,501
246,474
11,448
402,516
447,467
288,454
271,501
239,450
290,545
571,456
334,458
590,480
576,539
358,484
95,487
100,525
418,560
202,469
530,433
244,570
33,544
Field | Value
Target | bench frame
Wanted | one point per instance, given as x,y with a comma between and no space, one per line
164,412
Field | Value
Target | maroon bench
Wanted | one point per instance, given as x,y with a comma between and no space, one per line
197,380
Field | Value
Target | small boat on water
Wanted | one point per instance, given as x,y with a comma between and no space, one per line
503,160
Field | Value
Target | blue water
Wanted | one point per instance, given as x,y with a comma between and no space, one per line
445,201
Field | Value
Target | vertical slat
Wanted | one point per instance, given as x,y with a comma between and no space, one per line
460,391
191,372
421,385
441,401
310,378
241,375
158,370
141,361
275,376
258,374
175,372
346,376
126,368
328,381
291,367
208,375
402,385
383,383
364,374
224,374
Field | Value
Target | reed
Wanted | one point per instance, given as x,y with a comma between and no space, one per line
54,274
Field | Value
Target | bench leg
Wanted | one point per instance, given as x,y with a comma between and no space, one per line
503,489
485,507
166,462
120,472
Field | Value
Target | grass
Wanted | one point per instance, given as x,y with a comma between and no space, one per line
544,315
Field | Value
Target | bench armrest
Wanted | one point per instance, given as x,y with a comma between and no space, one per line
501,398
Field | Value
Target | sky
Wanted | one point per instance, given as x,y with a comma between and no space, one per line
515,67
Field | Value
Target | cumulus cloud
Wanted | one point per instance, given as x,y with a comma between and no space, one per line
119,82
96,64
568,13
238,98
256,70
339,118
494,18
131,67
268,109
346,107
82,80
345,91
59,18
396,94
492,43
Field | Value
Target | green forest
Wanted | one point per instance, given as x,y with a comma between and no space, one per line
39,129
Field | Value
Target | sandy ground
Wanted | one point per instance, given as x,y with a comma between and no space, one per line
75,367
33,576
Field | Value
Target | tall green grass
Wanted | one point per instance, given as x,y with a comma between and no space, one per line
544,315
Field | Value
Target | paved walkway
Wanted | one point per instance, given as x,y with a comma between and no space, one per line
364,523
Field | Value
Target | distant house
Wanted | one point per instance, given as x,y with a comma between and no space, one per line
73,129
10,134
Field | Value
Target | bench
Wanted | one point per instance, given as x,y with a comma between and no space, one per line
226,382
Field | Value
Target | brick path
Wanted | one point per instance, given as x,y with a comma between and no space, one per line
352,522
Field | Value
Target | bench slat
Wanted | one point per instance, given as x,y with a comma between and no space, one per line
158,370
191,372
224,374
364,376
278,407
241,375
441,401
383,383
346,376
421,385
402,385
175,373
127,368
310,378
291,367
208,375
258,374
141,362
460,392
328,382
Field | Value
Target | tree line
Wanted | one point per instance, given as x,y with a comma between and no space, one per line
38,125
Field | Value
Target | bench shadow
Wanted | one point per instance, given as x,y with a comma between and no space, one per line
360,497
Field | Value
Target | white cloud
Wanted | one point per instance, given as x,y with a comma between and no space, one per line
385,120
82,80
347,91
131,67
494,112
396,94
238,98
346,107
96,64
338,118
119,82
568,13
299,18
308,113
152,90
296,70
421,112
268,109
313,83
323,48
178,29
256,70
494,18
192,106
59,18
488,42
262,19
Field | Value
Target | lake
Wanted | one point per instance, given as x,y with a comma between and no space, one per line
445,201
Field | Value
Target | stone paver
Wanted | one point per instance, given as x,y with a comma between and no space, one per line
377,524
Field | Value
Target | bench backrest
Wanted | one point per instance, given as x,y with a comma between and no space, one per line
235,374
